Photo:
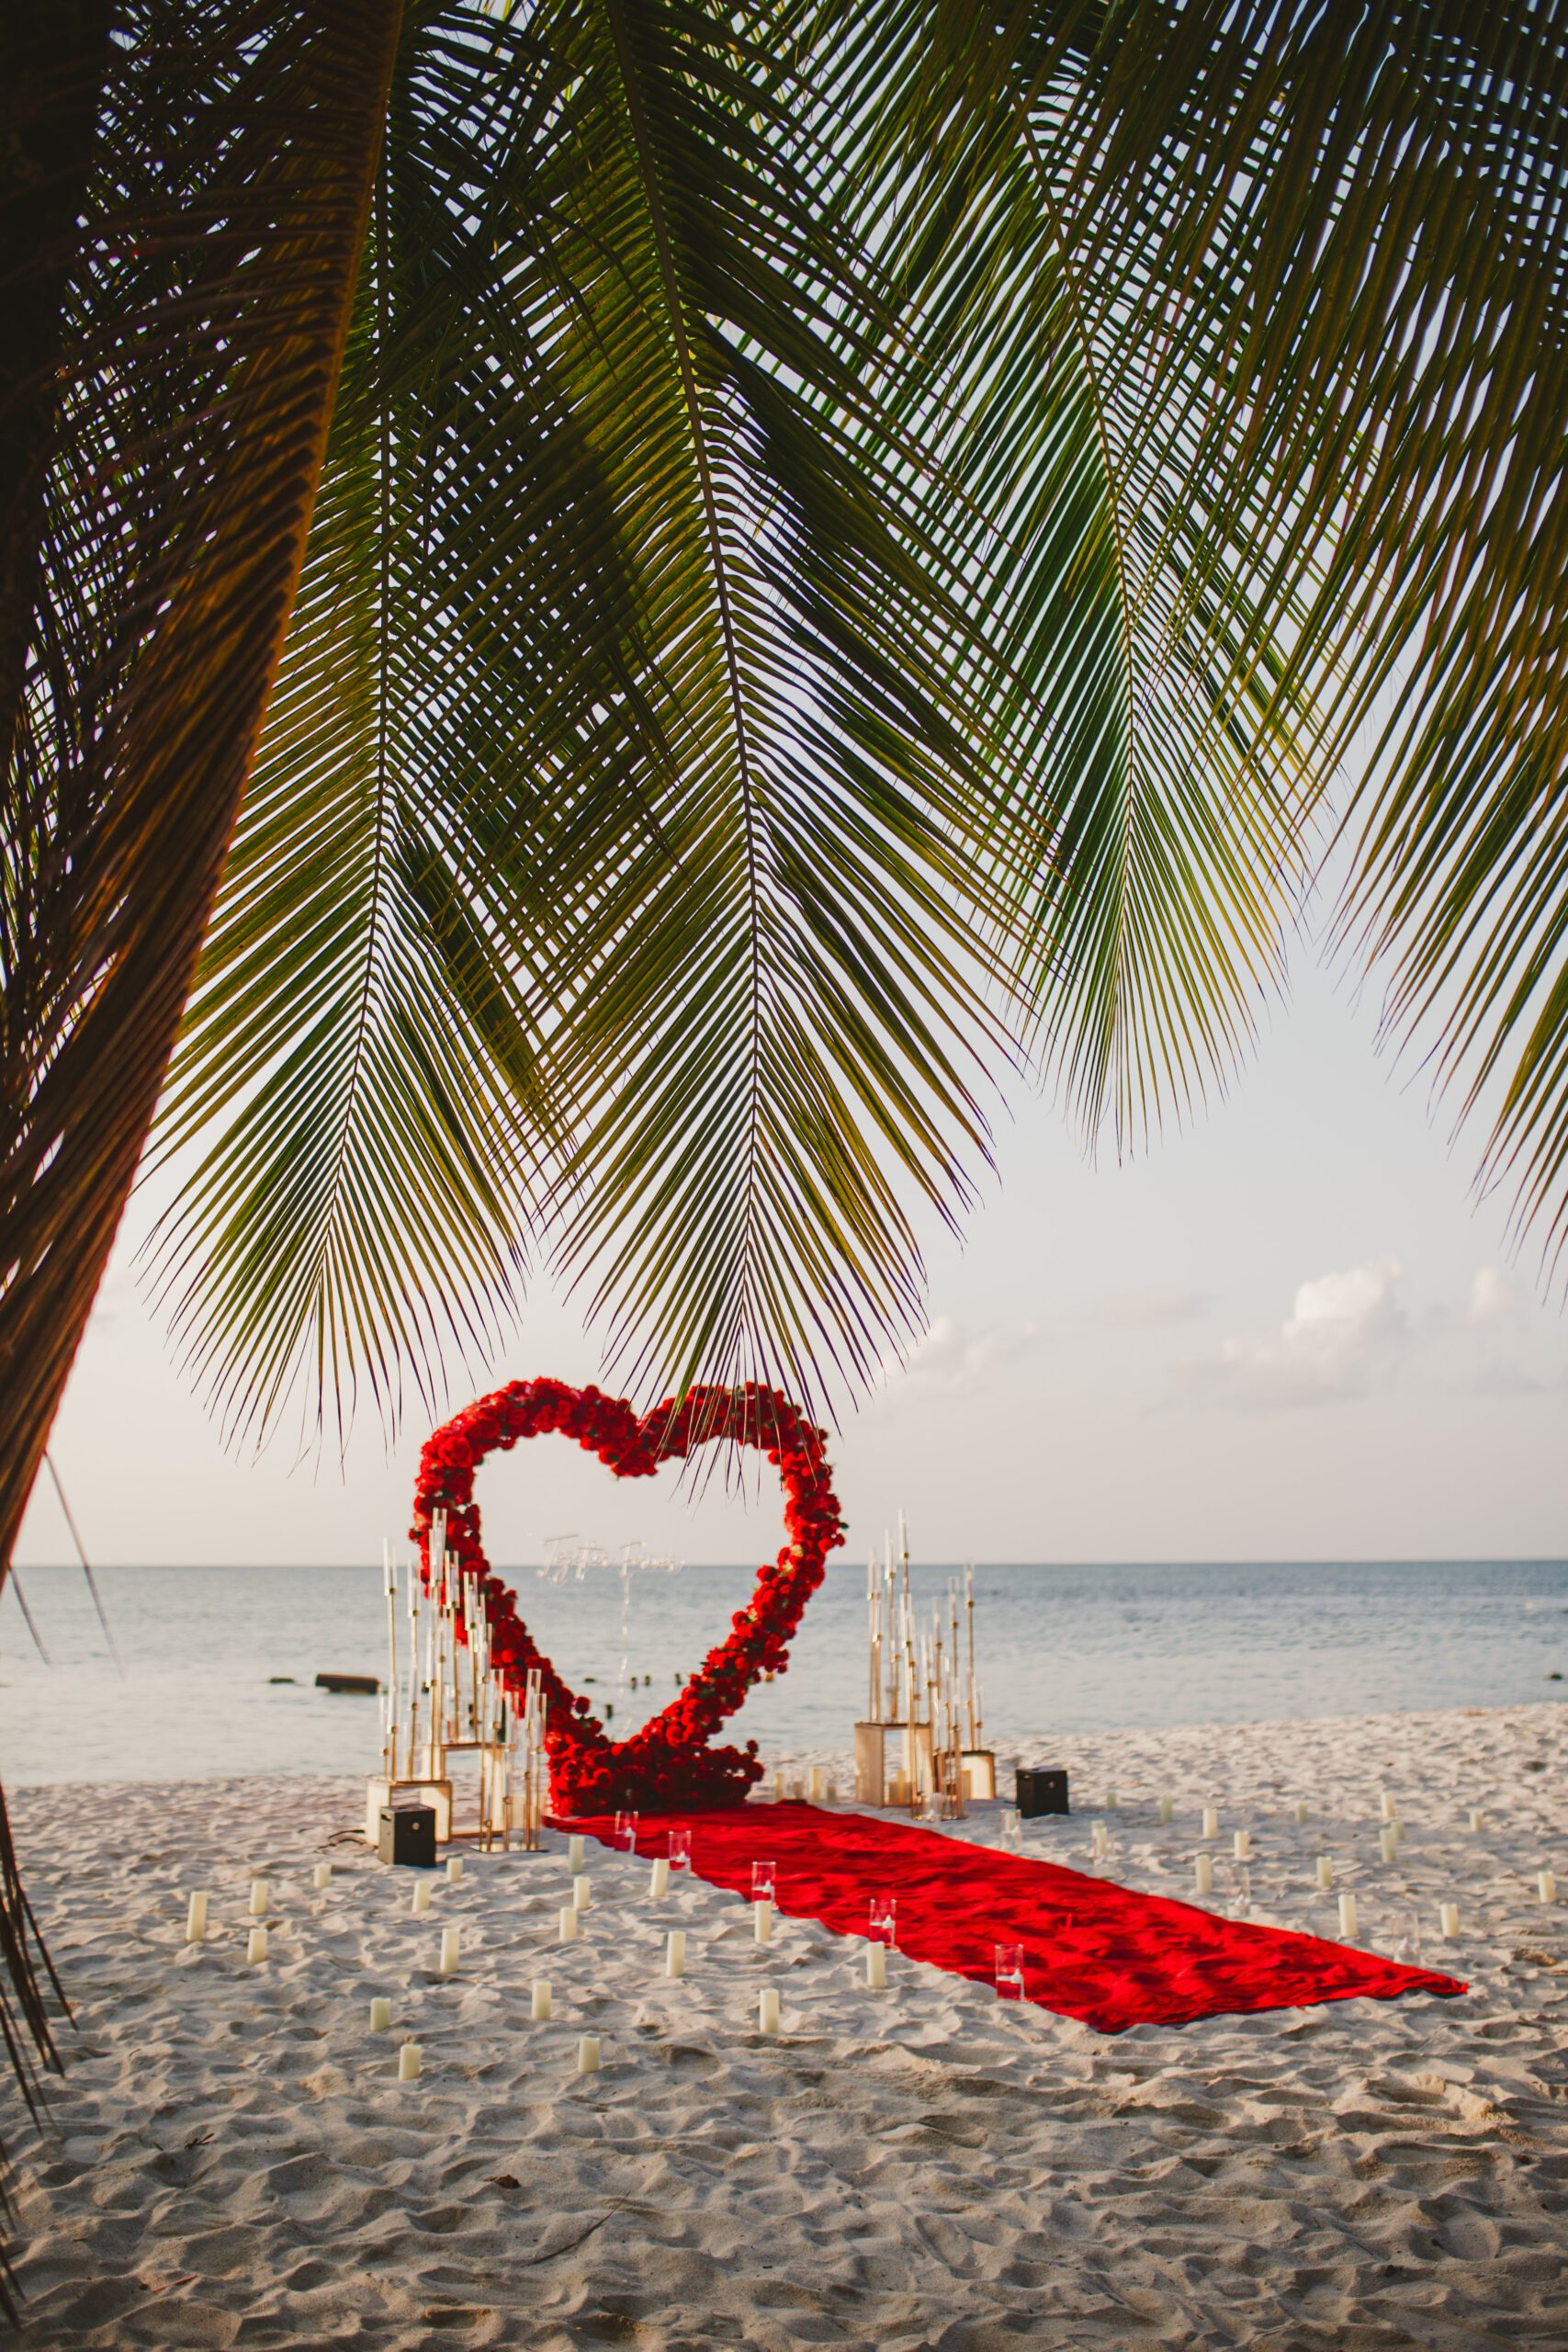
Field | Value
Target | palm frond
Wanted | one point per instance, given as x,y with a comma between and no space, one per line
179,296
1313,271
639,697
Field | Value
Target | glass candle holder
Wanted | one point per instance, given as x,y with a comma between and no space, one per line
882,1919
625,1833
680,1850
763,1879
1009,1971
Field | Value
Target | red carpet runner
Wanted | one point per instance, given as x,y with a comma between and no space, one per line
1092,1949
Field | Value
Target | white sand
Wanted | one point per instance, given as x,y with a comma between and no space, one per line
235,2163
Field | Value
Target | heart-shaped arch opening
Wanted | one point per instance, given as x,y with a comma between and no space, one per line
669,1763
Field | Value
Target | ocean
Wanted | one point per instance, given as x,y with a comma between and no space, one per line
217,1666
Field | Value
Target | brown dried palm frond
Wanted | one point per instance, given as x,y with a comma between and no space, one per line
178,284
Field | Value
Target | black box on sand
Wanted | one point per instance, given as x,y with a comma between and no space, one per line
408,1835
1040,1789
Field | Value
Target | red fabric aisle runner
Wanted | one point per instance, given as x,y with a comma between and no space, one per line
1092,1949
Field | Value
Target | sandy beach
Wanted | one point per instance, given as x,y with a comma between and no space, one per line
233,2161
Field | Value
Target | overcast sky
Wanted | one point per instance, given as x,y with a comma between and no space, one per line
1288,1334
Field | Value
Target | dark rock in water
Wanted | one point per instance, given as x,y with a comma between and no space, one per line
280,1678
1554,1678
354,1686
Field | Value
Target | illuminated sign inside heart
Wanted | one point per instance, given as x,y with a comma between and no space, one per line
671,1763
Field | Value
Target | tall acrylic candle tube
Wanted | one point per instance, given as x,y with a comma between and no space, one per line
195,1917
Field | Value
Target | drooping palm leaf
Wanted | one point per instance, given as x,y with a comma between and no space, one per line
641,693
1312,266
171,410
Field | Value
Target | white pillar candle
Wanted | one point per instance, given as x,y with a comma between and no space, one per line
1448,1918
454,1868
258,1898
256,1948
1164,1811
816,1784
1387,1843
539,2000
675,1953
570,1927
1203,1874
876,1967
1346,1914
1324,1873
1389,1810
582,1891
448,1963
409,2063
380,2014
1211,1822
195,1917
588,2054
574,1854
1477,1819
1546,1887
762,1922
658,1877
778,1788
767,2011
832,1792
321,1875
1241,1844
419,1902
1110,1798
1100,1839
1300,1810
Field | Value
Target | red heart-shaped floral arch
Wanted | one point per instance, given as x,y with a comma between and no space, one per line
669,1764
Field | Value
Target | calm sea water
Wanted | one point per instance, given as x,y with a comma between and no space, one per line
1061,1649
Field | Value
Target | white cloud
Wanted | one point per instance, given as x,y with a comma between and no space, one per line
955,1357
1493,1297
1345,1338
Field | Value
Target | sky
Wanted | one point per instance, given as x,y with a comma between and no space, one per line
1290,1332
